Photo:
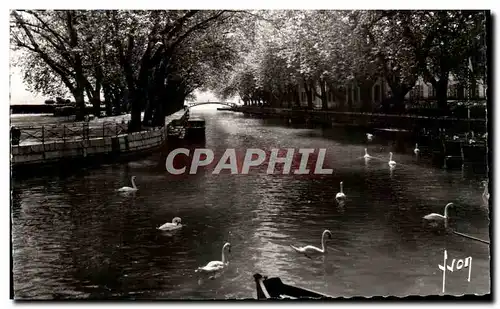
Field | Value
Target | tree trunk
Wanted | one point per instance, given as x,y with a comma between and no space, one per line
159,116
96,100
79,77
148,112
79,98
96,95
398,99
296,96
473,86
339,96
323,96
151,106
289,98
135,110
442,92
366,95
399,92
350,97
157,95
309,94
139,91
96,104
108,100
119,99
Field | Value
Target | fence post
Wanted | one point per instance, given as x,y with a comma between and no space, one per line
116,128
103,130
43,135
64,133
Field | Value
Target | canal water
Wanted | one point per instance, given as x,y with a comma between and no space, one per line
74,236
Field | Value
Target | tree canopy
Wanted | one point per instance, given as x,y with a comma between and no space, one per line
325,51
151,61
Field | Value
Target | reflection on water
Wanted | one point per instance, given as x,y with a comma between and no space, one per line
74,236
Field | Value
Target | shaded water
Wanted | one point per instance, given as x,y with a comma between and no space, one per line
74,236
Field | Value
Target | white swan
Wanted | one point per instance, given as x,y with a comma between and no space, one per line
436,218
340,196
216,266
369,136
486,194
129,189
366,156
391,162
416,150
170,226
308,251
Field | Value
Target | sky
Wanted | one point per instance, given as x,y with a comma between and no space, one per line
18,92
17,89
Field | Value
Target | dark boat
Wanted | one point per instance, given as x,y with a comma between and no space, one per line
175,129
274,288
453,153
195,128
476,152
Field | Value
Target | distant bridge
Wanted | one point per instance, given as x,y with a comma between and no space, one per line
193,104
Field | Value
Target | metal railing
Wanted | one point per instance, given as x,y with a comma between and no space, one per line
25,135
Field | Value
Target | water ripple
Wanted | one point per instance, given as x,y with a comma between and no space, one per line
74,237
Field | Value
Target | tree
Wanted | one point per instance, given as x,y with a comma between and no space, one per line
53,37
135,58
166,32
150,61
38,76
409,44
400,42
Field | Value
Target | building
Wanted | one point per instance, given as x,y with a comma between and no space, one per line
422,93
456,91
